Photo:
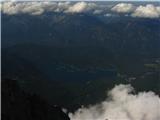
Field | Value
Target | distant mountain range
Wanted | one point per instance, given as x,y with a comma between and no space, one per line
119,35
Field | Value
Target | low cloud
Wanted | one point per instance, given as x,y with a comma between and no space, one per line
123,8
148,11
33,8
141,11
61,6
81,7
38,8
122,105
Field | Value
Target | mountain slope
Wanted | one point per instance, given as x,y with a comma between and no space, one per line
16,104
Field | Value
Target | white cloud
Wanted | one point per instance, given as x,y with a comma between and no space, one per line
33,8
37,8
62,6
29,7
123,8
81,7
78,7
148,11
122,105
158,9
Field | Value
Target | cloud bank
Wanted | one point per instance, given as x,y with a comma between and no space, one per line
122,105
38,8
123,8
148,11
81,7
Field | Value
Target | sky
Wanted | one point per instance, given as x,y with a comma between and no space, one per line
82,0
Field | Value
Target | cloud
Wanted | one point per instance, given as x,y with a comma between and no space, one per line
62,6
33,8
78,7
123,8
148,11
81,7
38,8
122,105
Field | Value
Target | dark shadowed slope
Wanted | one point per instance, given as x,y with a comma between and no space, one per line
18,105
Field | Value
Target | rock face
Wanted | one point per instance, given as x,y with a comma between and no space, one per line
18,105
